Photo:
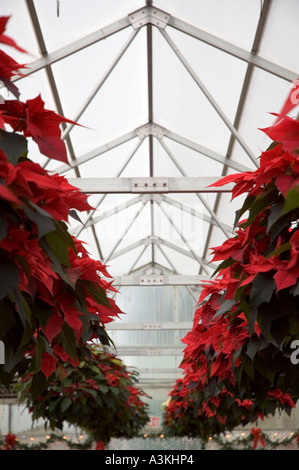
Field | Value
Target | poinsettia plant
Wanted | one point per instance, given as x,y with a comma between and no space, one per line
247,320
100,396
189,413
53,296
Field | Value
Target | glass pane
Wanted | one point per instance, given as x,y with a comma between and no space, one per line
233,20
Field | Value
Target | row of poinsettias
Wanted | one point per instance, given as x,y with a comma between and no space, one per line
54,298
246,325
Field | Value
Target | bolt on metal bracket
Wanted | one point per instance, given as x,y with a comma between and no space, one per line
152,326
151,280
149,185
149,15
151,129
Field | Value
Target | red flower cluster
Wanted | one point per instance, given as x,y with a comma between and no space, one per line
53,296
10,442
247,316
189,413
99,395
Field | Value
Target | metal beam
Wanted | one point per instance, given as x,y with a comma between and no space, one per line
156,131
179,232
160,370
113,211
188,288
209,97
75,46
241,105
112,251
203,201
149,185
205,151
143,198
147,351
100,83
193,212
233,50
121,326
160,280
96,152
104,195
156,240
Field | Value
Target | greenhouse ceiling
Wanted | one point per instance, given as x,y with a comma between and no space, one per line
169,95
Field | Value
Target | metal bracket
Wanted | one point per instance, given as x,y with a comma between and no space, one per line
151,129
151,280
152,352
152,326
149,185
152,239
149,15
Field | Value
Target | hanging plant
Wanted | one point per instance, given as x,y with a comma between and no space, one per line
100,396
53,296
189,413
245,330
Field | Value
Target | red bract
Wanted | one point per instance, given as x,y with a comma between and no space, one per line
248,314
4,39
33,120
53,297
8,66
287,132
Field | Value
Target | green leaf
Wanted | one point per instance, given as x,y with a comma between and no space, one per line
291,201
225,264
97,292
28,334
261,202
104,389
63,233
58,248
277,228
76,406
40,349
65,404
263,287
74,215
45,224
69,340
53,405
12,358
39,385
7,318
103,336
22,307
3,228
224,307
13,145
42,311
281,249
247,203
10,277
274,214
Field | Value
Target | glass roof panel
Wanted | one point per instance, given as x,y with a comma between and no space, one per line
20,21
179,103
232,20
74,19
281,34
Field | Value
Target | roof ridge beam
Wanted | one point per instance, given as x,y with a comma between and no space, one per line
149,15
